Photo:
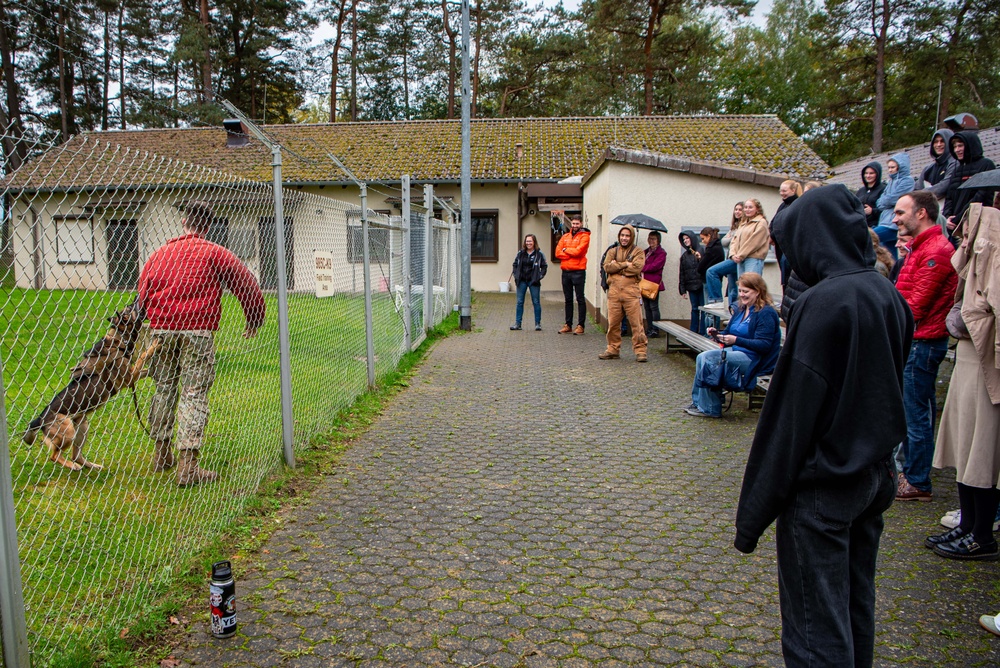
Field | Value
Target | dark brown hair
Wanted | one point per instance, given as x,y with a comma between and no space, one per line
711,232
524,246
198,216
924,199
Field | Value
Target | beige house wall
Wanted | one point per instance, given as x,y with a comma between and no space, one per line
678,199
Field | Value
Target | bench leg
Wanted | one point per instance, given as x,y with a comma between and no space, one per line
755,399
675,347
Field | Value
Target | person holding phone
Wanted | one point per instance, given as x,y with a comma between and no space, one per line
752,341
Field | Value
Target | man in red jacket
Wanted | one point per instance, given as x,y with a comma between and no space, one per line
181,289
927,282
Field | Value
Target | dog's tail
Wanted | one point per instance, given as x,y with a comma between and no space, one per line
33,427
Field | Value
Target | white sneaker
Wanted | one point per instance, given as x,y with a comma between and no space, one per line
953,518
989,622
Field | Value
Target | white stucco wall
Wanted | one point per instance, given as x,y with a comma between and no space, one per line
678,199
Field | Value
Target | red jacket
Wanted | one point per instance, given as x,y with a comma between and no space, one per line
927,282
181,286
571,251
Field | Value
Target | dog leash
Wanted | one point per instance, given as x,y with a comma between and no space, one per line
138,414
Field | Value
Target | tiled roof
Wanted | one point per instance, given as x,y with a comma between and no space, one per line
551,148
849,173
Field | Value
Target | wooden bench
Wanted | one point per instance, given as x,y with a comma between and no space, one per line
685,339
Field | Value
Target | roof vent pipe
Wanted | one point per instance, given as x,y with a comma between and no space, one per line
236,134
518,150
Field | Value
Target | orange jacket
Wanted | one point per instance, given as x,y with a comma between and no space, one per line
571,251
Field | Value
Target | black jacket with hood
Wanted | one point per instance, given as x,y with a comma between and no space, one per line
835,404
972,163
711,256
689,280
870,195
936,176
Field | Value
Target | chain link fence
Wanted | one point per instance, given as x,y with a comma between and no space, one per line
80,220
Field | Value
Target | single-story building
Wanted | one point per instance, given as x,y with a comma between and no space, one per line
703,165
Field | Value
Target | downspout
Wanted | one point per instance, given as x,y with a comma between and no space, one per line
521,213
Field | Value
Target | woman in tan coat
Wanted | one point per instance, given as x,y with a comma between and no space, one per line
969,435
751,241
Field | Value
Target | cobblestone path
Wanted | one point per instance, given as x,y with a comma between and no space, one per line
523,503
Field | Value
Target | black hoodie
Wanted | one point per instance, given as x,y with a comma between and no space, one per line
972,163
689,279
936,176
835,404
870,195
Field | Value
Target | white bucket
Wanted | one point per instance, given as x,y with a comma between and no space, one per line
504,286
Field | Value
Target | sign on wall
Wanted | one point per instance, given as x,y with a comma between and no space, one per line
324,274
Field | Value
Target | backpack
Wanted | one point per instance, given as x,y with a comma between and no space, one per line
604,274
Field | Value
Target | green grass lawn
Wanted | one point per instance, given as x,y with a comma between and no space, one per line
95,545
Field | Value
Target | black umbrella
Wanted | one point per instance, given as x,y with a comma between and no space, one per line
984,181
640,221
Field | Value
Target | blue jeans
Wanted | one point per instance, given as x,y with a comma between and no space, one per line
827,541
708,399
536,300
887,237
697,298
713,280
919,402
750,264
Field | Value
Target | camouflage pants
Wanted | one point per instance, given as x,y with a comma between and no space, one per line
184,362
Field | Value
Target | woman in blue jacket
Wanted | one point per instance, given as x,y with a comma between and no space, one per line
752,341
900,183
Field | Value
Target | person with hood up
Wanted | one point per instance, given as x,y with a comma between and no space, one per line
967,149
623,265
652,270
936,176
789,191
900,183
871,189
689,282
821,460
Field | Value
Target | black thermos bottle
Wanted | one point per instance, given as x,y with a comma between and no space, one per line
222,600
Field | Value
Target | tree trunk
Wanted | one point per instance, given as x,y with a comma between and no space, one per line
406,74
334,74
14,148
354,62
881,34
121,63
452,58
63,84
647,54
206,66
106,75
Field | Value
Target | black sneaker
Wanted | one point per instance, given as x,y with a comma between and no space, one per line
515,328
538,328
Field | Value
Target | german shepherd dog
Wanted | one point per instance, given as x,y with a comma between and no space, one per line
104,370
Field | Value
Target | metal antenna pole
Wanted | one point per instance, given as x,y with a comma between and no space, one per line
407,314
465,320
281,262
13,627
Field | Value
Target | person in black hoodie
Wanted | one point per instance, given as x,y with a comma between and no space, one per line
967,149
936,176
821,460
689,282
870,190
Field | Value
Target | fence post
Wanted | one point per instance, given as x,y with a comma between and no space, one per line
407,314
14,628
284,344
428,257
369,320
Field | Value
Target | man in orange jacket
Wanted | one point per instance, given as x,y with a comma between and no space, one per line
571,251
